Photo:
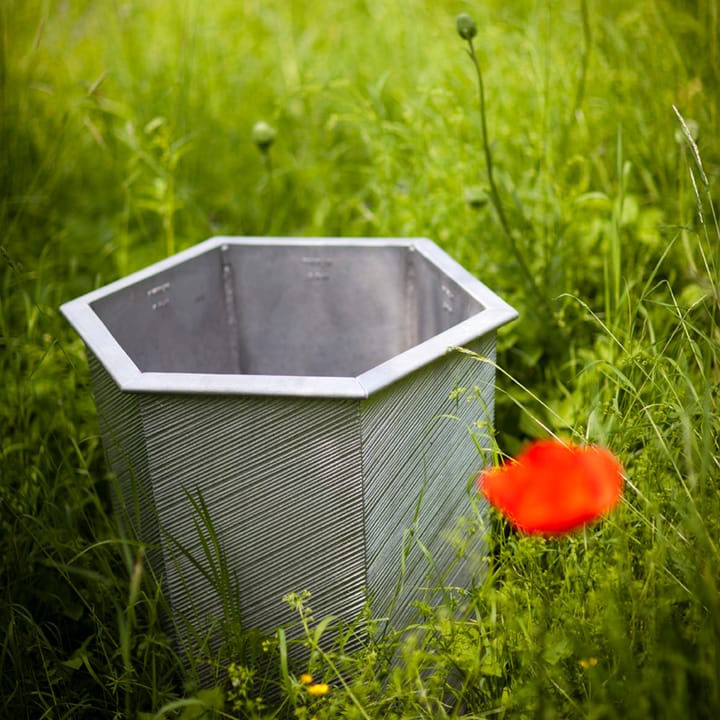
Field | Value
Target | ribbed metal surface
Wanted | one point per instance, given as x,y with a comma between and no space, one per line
299,391
418,460
121,427
302,493
282,481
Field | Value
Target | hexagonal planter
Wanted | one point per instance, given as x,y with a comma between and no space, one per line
304,387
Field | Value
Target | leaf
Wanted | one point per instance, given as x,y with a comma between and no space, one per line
594,201
558,650
209,701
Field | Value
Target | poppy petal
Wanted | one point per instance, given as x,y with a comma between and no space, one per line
554,487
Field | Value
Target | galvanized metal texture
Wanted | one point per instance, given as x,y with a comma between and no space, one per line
315,317
419,462
300,391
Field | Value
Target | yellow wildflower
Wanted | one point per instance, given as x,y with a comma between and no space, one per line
306,678
318,689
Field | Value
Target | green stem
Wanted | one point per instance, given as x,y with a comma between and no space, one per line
271,192
584,57
494,193
326,658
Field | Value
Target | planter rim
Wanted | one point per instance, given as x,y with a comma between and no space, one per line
100,341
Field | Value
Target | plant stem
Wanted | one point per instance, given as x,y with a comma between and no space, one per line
494,193
271,192
315,645
584,57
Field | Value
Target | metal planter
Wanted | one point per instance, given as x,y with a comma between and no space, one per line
303,389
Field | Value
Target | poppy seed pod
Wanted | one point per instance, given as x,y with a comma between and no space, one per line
263,135
466,27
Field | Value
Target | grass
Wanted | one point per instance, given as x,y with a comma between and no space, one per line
126,134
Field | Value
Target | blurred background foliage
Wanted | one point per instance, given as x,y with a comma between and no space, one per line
126,135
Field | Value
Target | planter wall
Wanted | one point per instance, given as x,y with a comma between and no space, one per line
303,389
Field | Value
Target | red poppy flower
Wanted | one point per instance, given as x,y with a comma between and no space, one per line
554,487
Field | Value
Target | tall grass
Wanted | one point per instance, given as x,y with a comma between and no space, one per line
126,134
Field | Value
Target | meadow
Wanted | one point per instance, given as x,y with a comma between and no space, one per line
583,189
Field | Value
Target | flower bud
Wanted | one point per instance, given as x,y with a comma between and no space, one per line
466,27
263,135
